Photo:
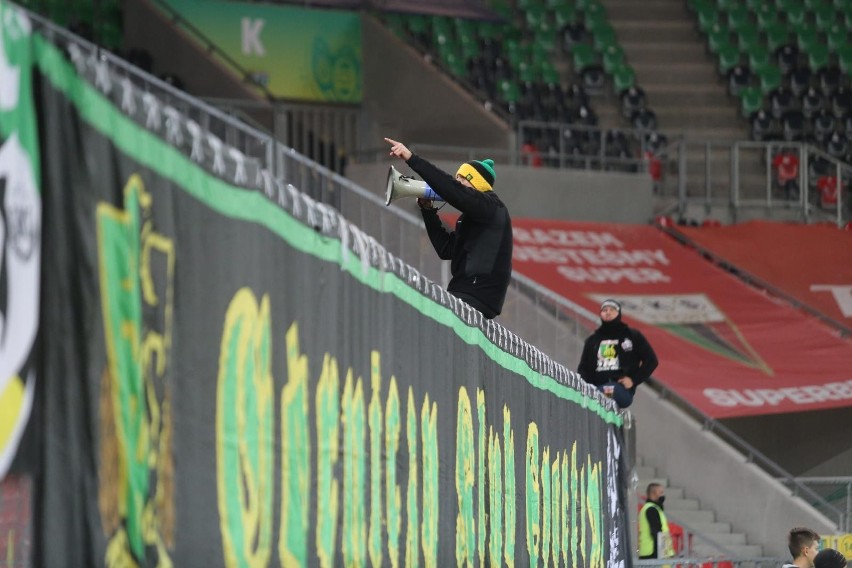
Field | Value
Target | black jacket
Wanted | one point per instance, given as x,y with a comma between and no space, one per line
480,247
615,350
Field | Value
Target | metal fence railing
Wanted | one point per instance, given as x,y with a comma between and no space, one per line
834,490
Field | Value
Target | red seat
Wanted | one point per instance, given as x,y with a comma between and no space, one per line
530,155
655,166
827,186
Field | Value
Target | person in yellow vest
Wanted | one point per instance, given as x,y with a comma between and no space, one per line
653,522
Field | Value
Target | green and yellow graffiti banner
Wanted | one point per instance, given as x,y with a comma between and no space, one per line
296,53
226,386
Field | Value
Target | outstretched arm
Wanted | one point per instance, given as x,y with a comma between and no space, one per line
466,199
398,149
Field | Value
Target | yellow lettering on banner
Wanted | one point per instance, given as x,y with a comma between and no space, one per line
576,498
245,417
556,509
546,508
354,526
328,417
429,432
480,475
495,501
412,533
375,420
533,492
465,466
296,467
510,515
393,497
594,513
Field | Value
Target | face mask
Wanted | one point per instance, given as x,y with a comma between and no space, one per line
661,500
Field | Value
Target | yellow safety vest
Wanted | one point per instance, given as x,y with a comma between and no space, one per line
646,539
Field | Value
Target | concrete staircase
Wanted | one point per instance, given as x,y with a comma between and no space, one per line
682,86
672,65
709,533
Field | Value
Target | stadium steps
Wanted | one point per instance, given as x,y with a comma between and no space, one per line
694,516
674,68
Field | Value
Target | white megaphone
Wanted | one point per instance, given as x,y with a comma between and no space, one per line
403,186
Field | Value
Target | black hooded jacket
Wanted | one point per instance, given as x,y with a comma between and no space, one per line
615,350
480,247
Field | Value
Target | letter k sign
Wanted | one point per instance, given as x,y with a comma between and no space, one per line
251,37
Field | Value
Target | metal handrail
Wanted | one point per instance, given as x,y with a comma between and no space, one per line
834,480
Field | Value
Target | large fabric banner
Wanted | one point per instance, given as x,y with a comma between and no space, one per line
812,263
20,233
726,347
225,385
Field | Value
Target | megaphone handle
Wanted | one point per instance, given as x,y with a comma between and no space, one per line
429,193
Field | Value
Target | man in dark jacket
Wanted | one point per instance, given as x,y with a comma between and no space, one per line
616,358
480,247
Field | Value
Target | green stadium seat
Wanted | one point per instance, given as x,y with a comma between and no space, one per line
738,17
623,77
759,56
818,56
770,77
583,55
708,17
825,16
844,58
794,11
807,35
613,56
564,15
751,101
748,37
717,37
727,5
766,16
509,91
455,64
526,72
603,37
836,36
776,35
595,15
728,58
843,6
549,74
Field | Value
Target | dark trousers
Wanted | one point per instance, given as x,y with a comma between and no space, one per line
475,303
623,396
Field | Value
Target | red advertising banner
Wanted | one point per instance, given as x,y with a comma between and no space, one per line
812,263
726,347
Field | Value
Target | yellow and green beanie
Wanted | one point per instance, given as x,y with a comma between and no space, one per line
479,173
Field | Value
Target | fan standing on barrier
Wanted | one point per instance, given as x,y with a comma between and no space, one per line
480,247
616,358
